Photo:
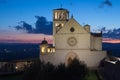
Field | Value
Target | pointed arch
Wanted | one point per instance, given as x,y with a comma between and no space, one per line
69,57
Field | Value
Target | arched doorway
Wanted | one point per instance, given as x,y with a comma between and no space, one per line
69,57
69,60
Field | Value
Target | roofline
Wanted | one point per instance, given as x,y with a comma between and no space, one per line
61,9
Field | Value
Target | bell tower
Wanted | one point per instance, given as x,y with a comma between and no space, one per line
60,17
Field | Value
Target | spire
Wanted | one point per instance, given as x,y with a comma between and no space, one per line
44,41
44,38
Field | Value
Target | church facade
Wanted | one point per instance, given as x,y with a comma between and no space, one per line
71,40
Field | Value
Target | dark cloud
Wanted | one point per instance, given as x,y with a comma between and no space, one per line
41,26
24,26
27,27
105,2
115,33
18,27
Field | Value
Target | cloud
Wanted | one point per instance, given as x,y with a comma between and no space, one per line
114,34
41,26
24,26
105,2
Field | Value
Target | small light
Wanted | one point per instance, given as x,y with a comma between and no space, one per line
16,67
48,50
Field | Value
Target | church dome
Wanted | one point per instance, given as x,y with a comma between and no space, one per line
44,41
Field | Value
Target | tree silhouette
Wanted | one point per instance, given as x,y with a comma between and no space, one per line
46,71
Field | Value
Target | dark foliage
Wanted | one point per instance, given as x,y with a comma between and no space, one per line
46,71
78,68
110,71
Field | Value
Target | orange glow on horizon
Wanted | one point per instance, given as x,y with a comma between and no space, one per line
25,38
37,38
110,40
48,38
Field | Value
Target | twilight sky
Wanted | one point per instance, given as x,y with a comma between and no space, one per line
84,11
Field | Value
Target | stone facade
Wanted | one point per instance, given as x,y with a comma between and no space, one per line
71,40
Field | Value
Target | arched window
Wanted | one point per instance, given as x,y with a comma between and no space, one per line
55,15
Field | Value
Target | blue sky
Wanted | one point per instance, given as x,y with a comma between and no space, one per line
84,11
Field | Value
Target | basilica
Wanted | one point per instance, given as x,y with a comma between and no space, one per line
71,40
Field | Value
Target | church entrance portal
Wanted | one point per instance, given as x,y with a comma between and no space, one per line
69,60
69,57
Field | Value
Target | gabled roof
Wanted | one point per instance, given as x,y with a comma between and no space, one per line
72,23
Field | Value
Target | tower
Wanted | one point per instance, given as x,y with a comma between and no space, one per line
60,17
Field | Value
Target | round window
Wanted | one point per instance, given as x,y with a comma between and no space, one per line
72,29
72,41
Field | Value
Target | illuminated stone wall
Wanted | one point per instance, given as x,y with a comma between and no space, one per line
74,41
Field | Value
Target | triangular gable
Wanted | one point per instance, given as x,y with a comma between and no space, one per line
72,23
